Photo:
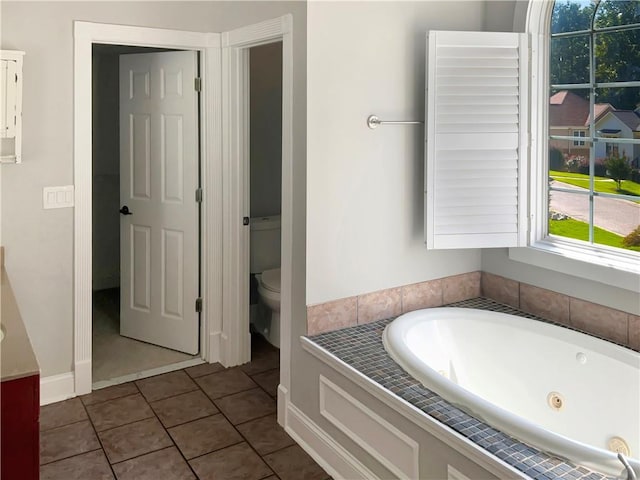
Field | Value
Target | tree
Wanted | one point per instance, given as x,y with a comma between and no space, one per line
617,53
570,55
633,239
618,169
556,159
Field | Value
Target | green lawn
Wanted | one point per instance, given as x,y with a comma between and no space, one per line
580,231
602,184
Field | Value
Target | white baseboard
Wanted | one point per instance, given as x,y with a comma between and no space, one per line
56,388
283,402
214,354
83,373
330,455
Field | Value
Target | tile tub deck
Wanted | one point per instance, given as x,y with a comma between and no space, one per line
361,348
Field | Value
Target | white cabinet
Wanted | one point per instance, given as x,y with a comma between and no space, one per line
11,106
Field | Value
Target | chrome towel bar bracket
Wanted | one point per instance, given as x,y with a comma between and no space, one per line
373,122
631,475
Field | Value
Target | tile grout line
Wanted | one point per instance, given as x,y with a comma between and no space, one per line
114,398
189,421
170,396
62,426
154,414
244,439
219,412
263,388
166,431
257,418
235,427
141,420
173,444
257,387
70,456
95,432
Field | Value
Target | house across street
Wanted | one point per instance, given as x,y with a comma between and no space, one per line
569,116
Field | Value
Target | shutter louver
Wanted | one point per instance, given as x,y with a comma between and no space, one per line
476,140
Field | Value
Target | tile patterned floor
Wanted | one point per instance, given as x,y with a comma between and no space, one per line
203,422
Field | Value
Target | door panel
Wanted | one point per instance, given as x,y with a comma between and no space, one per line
140,156
141,271
172,268
172,158
159,176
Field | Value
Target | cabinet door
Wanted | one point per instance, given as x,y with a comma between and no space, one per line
8,99
19,435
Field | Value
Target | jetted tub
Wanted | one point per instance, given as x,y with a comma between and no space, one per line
563,392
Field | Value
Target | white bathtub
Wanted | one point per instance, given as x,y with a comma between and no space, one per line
505,370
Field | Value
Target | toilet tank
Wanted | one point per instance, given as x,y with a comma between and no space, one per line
265,243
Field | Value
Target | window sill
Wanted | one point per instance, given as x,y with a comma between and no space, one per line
598,265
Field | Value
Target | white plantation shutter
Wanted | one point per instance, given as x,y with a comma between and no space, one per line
477,140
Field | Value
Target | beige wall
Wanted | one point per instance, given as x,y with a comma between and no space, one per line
365,187
39,243
567,146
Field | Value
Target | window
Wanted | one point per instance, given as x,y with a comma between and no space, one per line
580,134
503,113
612,150
594,82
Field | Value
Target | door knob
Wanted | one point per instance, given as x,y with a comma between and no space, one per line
125,211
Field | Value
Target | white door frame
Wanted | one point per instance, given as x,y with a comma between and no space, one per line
236,340
208,44
227,342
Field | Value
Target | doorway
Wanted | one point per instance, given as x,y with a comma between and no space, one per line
145,163
265,190
224,285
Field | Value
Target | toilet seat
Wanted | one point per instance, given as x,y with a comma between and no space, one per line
270,280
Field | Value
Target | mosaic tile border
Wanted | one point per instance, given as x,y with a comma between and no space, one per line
361,347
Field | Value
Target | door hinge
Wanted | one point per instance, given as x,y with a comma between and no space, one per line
199,305
199,195
198,84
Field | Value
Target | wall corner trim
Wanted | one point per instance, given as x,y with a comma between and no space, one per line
56,388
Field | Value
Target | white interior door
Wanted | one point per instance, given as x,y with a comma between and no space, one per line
158,179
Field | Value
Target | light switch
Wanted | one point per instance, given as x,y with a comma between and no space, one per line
57,197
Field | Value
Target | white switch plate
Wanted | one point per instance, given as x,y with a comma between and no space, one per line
57,197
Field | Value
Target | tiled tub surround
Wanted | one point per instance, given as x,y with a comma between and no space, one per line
361,348
607,323
369,307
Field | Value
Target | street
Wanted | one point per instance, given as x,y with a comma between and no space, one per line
615,215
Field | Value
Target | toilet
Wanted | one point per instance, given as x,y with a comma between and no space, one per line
265,265
269,291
